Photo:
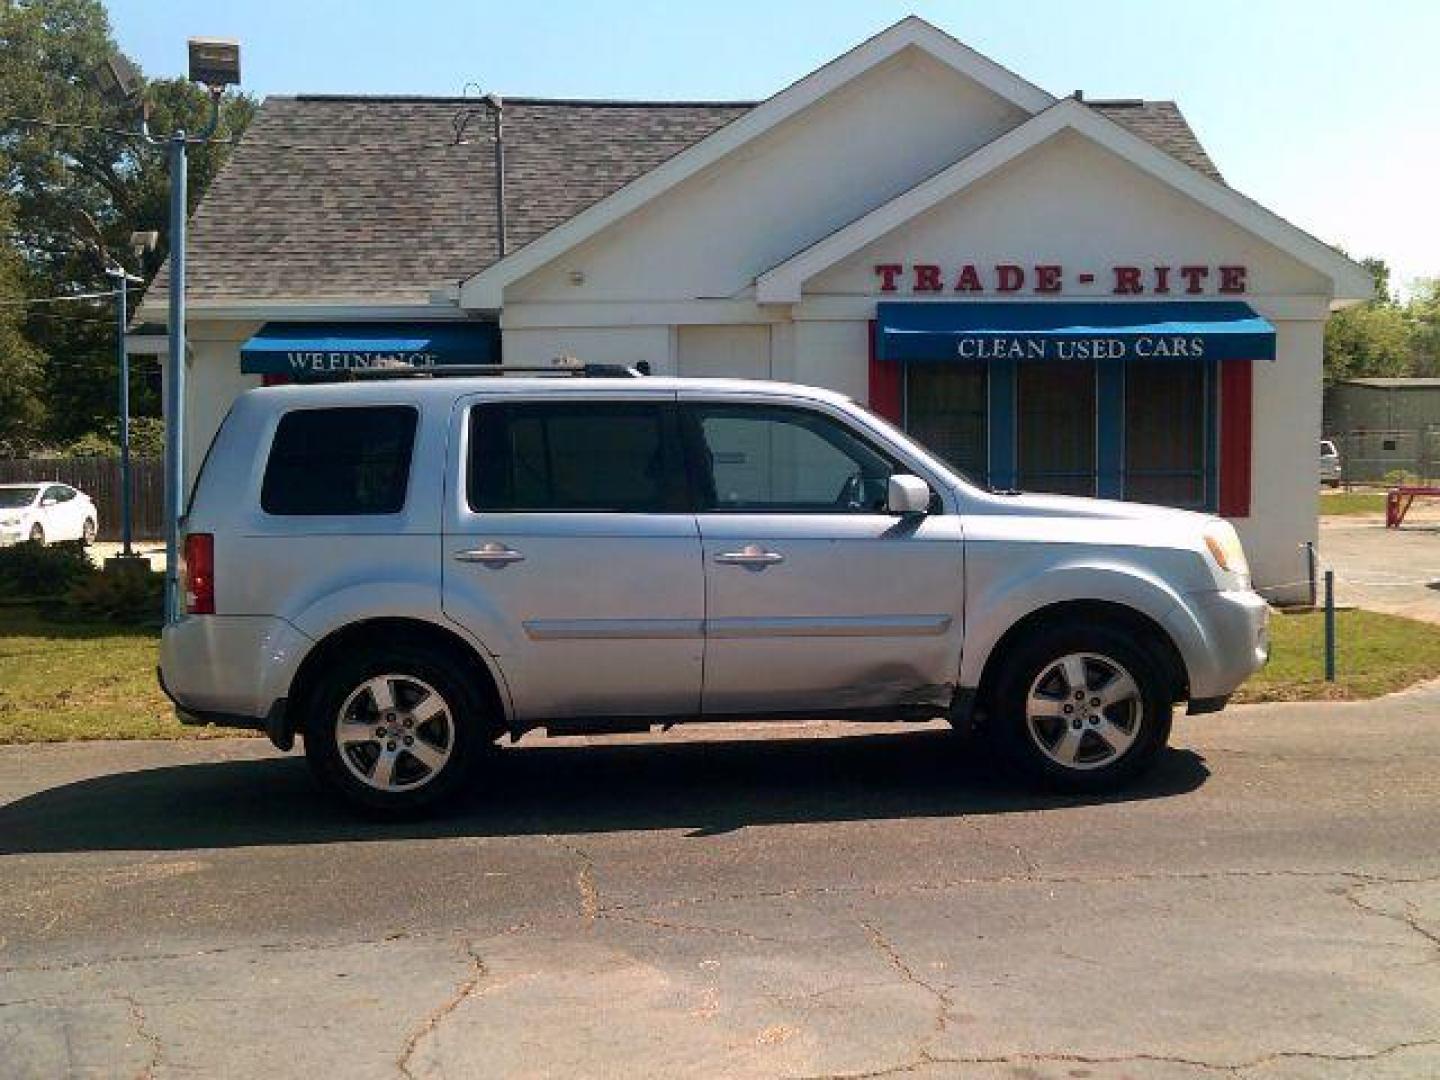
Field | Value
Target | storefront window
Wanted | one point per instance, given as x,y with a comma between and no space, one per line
946,409
1165,405
1055,436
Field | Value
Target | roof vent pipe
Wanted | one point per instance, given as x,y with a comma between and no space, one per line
497,110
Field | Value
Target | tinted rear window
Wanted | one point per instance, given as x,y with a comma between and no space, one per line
340,461
575,456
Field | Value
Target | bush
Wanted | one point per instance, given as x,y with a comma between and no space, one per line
131,595
1400,478
35,570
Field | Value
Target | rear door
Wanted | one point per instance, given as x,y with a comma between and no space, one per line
571,553
61,519
818,599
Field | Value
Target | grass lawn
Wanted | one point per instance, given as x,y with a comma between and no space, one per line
1343,503
61,681
68,680
1374,654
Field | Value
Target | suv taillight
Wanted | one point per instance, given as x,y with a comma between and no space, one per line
197,574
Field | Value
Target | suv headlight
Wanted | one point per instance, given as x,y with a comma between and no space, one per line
1225,549
11,520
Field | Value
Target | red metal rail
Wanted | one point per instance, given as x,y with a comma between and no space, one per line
1398,500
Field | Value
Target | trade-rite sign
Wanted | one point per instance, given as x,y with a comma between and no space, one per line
1190,280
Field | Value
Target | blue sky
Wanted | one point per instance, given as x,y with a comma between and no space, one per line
1326,112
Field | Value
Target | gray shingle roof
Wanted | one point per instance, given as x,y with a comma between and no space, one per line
370,196
1162,124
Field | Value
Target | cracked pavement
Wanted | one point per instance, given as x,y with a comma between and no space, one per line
797,900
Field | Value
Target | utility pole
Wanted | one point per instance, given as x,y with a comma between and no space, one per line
215,64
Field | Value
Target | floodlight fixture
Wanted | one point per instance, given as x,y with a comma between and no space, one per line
143,243
117,79
215,62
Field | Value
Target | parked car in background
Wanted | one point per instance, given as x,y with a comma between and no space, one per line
45,514
403,570
1329,464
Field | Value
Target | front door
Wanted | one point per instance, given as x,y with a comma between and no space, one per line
818,600
570,553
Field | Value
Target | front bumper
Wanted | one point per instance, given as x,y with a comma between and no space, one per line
1224,637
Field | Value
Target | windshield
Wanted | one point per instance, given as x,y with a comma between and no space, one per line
12,498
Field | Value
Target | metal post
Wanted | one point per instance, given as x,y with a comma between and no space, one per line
175,381
122,317
1311,566
1329,625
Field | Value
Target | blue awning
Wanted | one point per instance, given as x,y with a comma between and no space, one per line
1179,330
310,349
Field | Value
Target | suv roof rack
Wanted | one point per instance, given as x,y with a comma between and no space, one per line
446,371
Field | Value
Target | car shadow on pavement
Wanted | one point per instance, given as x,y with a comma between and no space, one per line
706,787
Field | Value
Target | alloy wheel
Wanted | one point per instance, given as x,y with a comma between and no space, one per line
395,732
1084,711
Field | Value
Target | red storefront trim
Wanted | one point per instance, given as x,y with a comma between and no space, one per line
1236,412
885,393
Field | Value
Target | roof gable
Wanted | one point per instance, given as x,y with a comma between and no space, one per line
484,290
784,282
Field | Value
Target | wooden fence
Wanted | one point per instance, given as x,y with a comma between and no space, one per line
99,477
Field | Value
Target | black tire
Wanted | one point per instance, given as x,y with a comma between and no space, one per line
37,534
87,532
470,729
1037,657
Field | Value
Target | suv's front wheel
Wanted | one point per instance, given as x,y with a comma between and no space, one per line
395,729
1083,708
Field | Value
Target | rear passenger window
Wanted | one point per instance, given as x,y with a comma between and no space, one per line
574,456
340,461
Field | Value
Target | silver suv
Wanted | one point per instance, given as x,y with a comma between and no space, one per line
401,571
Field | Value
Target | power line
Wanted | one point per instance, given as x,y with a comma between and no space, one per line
58,299
100,129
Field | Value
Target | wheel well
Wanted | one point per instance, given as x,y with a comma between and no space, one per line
1148,634
378,632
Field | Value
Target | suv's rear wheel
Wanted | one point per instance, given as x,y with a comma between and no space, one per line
394,729
1083,708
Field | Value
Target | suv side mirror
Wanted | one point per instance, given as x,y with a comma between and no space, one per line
49,500
906,494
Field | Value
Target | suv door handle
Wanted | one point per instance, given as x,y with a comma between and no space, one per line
492,554
750,555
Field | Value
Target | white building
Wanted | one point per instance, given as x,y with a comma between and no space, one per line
1055,293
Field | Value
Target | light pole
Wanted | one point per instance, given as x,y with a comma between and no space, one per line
215,64
123,280
140,244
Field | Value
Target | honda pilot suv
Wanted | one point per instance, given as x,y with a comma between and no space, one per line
401,571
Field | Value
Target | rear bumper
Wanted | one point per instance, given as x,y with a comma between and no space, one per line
1225,638
234,670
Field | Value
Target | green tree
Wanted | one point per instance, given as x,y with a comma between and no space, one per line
21,413
70,183
1424,312
1369,339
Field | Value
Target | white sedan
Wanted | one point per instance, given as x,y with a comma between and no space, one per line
45,513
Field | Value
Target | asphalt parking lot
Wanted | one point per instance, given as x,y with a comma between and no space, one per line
805,901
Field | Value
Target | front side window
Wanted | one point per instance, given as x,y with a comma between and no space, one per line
782,460
340,461
572,457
